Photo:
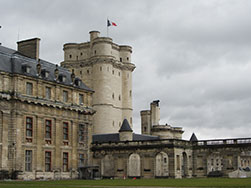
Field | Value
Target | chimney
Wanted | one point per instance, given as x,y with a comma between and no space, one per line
29,48
155,112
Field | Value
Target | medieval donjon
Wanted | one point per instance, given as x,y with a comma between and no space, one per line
106,68
77,123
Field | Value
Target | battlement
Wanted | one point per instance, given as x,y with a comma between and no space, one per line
217,142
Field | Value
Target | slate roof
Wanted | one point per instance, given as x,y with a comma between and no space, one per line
12,61
114,137
125,127
193,138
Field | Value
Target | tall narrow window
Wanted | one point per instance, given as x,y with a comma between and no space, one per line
81,160
65,131
65,96
29,127
47,161
81,133
65,161
81,99
48,129
28,160
29,88
178,162
47,92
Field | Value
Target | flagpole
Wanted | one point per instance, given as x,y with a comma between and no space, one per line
107,32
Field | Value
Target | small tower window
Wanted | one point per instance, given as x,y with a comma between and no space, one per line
70,56
113,123
88,72
100,68
80,72
77,57
119,98
119,73
95,52
113,96
121,59
112,71
130,93
81,53
127,58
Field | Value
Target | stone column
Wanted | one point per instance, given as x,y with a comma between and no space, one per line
74,141
5,123
19,141
40,140
58,143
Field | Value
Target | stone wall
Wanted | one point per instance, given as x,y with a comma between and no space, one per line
17,107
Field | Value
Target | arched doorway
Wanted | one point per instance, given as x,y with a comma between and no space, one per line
184,165
134,165
161,168
107,166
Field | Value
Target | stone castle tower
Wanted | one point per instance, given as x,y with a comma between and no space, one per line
106,68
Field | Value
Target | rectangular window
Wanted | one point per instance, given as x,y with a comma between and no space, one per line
81,160
48,129
81,133
47,161
65,162
65,131
29,88
47,92
81,99
28,160
65,96
29,127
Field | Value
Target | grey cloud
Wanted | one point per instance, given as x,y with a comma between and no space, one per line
192,55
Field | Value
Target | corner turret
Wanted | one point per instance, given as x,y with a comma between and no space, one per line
125,132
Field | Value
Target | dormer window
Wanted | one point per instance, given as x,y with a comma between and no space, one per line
77,82
26,68
45,73
62,78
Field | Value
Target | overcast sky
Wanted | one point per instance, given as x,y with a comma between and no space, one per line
194,56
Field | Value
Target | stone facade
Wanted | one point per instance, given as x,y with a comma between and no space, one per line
106,68
169,158
44,131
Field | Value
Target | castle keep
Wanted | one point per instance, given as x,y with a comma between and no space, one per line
75,121
106,68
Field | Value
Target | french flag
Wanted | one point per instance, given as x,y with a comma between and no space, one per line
109,23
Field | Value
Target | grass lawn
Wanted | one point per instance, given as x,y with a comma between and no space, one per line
194,182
